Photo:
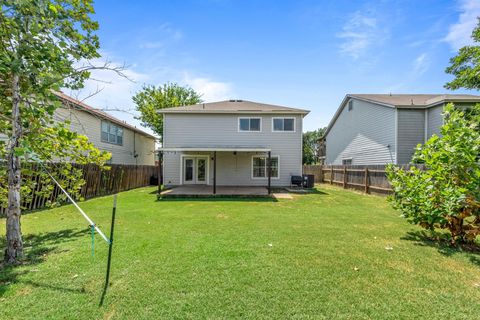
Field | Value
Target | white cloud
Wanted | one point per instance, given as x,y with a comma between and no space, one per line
359,33
459,34
421,64
209,89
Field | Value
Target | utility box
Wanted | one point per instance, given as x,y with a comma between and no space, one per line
308,181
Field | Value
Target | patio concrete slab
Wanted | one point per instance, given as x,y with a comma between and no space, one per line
203,190
282,196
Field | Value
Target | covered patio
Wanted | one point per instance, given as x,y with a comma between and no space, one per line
204,190
196,182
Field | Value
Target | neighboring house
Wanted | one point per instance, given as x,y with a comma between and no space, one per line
227,143
126,143
385,128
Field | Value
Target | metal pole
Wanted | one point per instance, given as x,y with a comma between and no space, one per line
214,172
269,168
110,246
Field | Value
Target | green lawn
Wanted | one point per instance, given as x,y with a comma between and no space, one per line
317,256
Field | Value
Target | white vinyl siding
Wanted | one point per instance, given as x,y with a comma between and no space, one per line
366,134
221,130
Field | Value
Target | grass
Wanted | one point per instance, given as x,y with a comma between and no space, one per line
319,255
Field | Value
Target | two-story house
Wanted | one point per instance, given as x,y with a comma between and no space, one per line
230,143
386,128
126,143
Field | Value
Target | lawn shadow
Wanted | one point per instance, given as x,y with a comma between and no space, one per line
218,198
443,245
37,247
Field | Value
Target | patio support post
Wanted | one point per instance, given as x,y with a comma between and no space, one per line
269,169
214,172
160,171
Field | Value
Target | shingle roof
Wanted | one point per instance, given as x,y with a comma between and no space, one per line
419,100
234,106
101,114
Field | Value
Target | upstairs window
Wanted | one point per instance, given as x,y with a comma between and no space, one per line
112,133
284,124
347,162
350,105
260,167
250,124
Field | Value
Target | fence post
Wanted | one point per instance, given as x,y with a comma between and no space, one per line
366,180
344,177
331,174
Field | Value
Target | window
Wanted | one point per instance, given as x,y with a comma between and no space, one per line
260,167
347,162
249,124
284,124
350,105
112,133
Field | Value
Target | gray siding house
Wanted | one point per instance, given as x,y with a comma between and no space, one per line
228,143
385,128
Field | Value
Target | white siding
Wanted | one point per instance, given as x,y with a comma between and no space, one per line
366,134
411,132
221,130
90,126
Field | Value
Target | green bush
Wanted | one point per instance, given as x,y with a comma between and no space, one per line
447,194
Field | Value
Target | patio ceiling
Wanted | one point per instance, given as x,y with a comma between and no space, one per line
211,149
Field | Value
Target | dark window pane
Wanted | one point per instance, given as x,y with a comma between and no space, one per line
104,126
201,169
288,124
244,124
119,140
189,170
104,136
254,124
112,138
278,124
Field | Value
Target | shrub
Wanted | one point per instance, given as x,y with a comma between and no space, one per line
447,194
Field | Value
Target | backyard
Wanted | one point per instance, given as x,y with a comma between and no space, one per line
330,254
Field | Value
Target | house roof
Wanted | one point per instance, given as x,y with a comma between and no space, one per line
234,106
101,114
415,100
421,101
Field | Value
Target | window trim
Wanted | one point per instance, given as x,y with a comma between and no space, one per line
254,131
294,124
266,176
109,123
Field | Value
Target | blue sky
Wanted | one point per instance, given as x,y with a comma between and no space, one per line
305,54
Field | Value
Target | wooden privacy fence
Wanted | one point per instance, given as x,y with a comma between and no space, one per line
367,178
98,182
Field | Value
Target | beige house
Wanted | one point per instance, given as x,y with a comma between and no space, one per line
126,143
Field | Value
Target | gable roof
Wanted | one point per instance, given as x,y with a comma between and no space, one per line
415,100
99,113
234,106
421,101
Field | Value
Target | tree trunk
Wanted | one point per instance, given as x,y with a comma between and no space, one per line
14,250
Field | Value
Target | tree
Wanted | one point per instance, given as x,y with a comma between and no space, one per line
447,194
151,99
310,145
42,44
465,65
